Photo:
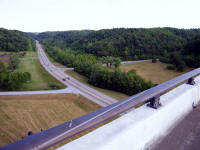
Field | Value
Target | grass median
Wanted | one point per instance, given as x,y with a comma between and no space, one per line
40,78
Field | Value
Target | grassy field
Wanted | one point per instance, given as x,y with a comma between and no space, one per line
5,56
20,114
156,72
116,95
40,78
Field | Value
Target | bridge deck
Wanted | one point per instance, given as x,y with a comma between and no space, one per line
185,136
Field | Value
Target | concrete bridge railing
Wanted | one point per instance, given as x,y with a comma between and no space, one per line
143,127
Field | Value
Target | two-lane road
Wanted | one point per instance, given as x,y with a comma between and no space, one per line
69,81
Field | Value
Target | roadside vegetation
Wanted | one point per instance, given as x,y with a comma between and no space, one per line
6,57
40,78
13,46
85,64
21,69
178,47
10,80
15,41
20,114
83,79
57,64
129,44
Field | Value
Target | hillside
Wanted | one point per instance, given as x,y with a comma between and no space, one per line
125,43
14,41
62,39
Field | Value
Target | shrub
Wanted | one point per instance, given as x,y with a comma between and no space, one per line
165,60
171,67
181,66
54,86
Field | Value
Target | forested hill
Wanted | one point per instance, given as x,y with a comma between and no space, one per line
63,39
125,43
13,40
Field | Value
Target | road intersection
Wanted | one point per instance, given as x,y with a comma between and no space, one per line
73,85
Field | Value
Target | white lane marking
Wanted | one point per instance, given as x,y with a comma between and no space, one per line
70,124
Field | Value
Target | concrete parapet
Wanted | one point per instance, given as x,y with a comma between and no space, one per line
141,127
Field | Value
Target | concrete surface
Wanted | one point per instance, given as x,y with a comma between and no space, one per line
185,135
66,90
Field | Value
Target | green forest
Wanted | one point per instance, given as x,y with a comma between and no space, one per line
128,44
87,64
10,79
170,45
14,41
84,49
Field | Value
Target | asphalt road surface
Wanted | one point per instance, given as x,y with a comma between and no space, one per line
185,136
58,73
62,91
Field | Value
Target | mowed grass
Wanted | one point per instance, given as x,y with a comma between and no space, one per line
156,72
116,95
20,114
40,78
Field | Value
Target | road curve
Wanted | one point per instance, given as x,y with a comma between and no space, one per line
69,81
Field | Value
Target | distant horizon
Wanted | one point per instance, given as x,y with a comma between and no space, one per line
102,29
65,15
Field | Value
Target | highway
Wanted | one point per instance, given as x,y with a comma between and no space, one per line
69,81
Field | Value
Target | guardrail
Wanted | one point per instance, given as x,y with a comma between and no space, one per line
52,136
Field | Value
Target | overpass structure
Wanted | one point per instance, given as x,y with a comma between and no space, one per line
161,107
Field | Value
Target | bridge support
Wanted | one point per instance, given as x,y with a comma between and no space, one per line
191,81
155,102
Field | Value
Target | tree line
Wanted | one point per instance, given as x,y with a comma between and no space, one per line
14,41
189,56
128,44
86,64
178,47
110,61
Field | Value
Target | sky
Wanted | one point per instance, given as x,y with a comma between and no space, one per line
62,15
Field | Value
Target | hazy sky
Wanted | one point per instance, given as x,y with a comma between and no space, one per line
59,15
